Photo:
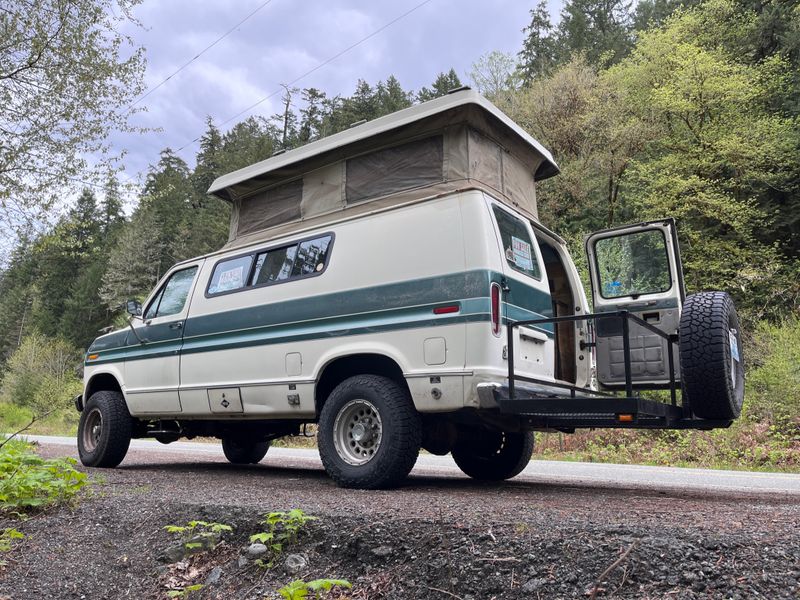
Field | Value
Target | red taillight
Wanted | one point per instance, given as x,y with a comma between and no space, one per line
495,296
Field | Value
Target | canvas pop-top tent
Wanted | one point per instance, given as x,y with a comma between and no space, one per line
456,142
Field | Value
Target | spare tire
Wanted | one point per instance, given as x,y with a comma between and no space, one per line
711,359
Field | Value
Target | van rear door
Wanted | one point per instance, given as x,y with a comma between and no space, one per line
525,294
636,268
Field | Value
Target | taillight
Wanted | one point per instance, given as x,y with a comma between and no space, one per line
495,296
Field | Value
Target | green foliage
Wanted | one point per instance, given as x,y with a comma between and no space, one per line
299,589
66,72
29,482
773,384
185,592
7,537
282,530
41,374
199,534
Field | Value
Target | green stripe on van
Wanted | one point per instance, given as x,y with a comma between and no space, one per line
388,307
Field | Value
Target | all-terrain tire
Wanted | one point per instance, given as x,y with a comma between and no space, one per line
105,430
244,452
711,359
494,455
369,433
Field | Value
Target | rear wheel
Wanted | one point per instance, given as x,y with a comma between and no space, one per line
369,433
105,430
491,455
712,365
244,452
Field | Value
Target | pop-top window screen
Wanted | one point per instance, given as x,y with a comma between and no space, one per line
272,207
391,170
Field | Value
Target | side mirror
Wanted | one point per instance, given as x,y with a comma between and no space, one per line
134,308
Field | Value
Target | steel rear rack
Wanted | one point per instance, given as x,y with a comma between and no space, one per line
562,406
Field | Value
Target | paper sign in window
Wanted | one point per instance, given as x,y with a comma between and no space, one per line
231,280
523,256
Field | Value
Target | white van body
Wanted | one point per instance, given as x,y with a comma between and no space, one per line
383,282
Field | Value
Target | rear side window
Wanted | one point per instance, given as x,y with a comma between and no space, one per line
171,298
517,244
284,263
305,258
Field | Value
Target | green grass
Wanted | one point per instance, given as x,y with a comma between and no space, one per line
63,422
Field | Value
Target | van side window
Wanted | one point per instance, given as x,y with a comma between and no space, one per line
230,275
289,262
275,265
171,298
517,244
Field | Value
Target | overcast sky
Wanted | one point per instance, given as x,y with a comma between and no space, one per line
287,38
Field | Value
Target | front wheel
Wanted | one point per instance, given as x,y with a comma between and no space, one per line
493,455
369,433
105,430
244,452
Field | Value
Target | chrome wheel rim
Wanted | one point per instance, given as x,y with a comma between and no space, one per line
92,430
357,432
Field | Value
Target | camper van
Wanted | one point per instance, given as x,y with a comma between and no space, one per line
393,285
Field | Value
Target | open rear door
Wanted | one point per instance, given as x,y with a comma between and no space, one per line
636,268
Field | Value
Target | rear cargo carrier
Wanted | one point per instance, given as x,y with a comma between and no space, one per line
554,405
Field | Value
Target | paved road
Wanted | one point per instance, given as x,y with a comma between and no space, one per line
538,471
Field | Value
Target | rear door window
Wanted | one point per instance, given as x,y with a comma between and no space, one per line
518,247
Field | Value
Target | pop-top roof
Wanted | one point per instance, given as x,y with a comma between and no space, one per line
445,110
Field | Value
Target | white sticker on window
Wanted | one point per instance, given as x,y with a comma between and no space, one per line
523,256
231,280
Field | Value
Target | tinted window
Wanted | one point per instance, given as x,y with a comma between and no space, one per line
517,244
275,265
288,262
633,264
230,275
311,257
171,298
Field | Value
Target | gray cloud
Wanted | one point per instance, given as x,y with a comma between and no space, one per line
286,39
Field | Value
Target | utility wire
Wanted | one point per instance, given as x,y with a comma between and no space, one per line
198,55
316,68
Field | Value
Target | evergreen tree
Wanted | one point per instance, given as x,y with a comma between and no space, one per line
390,97
111,216
444,83
311,115
539,50
598,28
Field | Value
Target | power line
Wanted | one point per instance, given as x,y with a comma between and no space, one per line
316,68
198,55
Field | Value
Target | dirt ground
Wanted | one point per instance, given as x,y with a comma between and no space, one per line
436,537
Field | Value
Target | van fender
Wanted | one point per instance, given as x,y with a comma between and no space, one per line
349,349
99,378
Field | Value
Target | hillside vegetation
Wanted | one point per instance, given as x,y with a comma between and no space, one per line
672,109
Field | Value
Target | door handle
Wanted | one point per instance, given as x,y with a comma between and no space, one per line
176,325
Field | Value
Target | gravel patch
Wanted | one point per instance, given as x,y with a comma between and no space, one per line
433,538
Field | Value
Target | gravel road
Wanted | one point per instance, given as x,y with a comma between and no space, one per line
553,532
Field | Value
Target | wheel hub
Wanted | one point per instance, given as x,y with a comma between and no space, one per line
92,430
357,432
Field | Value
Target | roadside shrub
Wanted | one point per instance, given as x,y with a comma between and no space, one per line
773,381
40,375
29,482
